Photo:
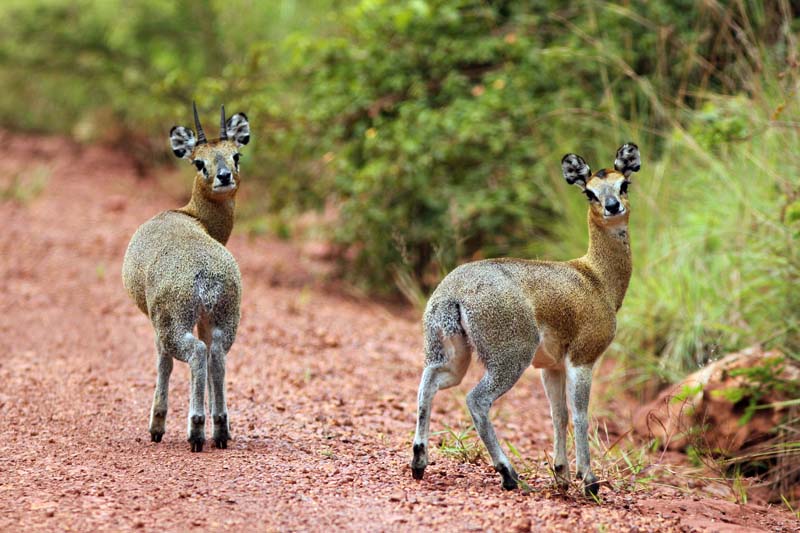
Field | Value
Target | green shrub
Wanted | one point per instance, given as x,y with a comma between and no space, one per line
443,121
111,70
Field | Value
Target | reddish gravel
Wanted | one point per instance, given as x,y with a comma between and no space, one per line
321,390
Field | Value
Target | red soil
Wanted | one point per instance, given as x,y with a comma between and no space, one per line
322,393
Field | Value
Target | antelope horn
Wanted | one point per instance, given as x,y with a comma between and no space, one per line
201,136
223,134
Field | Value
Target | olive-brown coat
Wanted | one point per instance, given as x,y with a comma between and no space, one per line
558,306
179,273
558,316
175,268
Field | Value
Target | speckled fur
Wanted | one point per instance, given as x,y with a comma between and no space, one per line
558,316
179,273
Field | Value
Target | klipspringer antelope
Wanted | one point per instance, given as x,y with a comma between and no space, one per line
558,316
179,273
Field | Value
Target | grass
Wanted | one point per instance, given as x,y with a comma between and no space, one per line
795,512
773,464
462,445
621,463
100,271
624,463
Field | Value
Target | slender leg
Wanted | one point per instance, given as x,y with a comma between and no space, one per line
175,338
579,384
434,378
428,386
497,380
191,350
216,387
554,387
218,345
197,409
158,413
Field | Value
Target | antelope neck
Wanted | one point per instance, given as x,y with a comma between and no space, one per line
609,256
216,215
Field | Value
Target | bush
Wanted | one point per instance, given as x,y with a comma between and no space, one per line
125,72
442,122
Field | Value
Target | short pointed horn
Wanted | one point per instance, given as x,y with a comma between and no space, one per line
201,136
223,134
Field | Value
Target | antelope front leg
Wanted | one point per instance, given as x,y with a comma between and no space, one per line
555,388
579,385
216,390
158,414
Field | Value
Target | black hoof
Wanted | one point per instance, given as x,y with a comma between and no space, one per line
419,462
196,432
221,433
510,478
156,436
221,438
561,473
591,487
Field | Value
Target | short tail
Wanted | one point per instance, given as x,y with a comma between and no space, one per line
208,290
442,319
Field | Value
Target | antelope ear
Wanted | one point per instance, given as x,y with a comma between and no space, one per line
575,170
628,160
238,129
182,141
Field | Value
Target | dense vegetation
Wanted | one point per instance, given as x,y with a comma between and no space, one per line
432,130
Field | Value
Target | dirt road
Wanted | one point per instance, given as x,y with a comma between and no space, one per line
321,390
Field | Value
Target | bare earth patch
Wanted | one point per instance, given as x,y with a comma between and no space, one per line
322,393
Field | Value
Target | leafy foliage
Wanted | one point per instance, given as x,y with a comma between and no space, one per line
759,382
443,121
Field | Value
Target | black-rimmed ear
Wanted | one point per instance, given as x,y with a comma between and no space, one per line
238,129
575,170
628,160
182,141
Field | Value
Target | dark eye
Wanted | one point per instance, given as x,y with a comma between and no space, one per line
200,165
590,195
623,189
236,158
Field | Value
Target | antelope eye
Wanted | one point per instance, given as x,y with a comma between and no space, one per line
200,165
623,189
590,195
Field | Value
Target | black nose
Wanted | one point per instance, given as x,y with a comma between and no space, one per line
224,177
612,205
